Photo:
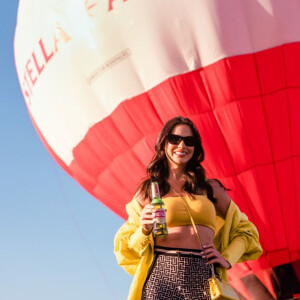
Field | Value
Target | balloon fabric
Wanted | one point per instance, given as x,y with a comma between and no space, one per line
98,92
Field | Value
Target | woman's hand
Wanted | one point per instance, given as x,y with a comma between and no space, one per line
147,219
214,256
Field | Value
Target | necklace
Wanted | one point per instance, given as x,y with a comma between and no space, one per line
176,192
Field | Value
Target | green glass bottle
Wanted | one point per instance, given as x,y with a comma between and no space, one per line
160,226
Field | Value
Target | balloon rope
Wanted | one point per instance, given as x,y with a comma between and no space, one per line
81,235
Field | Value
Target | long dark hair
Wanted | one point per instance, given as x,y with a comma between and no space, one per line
158,169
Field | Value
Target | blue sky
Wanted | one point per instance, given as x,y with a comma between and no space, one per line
56,239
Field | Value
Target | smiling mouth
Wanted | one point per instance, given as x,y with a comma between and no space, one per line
180,153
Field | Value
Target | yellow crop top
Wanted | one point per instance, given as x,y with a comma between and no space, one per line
202,210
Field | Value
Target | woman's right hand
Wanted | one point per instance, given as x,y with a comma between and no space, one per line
147,219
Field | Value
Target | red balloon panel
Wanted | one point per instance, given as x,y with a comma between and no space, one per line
231,125
254,123
271,205
285,173
294,102
258,213
211,134
276,107
271,69
142,114
167,97
120,178
243,72
218,83
292,64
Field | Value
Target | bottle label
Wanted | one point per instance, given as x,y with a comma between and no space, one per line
160,215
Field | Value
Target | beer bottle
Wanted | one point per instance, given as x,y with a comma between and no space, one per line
160,226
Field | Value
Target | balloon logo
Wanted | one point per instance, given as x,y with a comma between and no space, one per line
101,77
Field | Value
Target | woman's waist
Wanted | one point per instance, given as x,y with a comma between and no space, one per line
177,251
188,222
185,236
188,230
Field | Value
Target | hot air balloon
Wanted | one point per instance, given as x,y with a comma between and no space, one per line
100,78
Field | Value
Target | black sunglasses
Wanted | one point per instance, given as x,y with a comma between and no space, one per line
175,139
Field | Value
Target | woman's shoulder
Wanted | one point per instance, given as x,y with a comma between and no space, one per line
140,194
219,193
140,198
217,186
215,183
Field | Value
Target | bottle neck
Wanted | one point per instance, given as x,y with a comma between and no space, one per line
157,200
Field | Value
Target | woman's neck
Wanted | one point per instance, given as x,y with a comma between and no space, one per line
176,173
176,178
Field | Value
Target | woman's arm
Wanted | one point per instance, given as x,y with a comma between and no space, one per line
129,245
238,239
131,241
222,205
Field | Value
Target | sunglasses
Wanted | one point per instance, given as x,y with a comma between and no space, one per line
175,139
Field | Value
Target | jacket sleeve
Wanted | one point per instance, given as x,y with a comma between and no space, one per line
238,240
129,245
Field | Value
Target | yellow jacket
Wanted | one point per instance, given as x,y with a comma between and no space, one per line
236,239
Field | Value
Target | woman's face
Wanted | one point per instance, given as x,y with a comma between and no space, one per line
179,154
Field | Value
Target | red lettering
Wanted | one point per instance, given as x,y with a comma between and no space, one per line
34,72
39,69
29,71
46,56
110,6
56,41
63,36
26,96
27,83
89,6
26,89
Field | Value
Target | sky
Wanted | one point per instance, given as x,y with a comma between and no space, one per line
56,240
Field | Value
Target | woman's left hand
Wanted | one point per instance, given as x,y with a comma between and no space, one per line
213,255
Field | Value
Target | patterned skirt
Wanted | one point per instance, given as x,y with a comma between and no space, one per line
177,274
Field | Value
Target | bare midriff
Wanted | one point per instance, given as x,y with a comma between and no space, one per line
185,237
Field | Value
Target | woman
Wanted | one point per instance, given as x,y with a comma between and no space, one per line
177,266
